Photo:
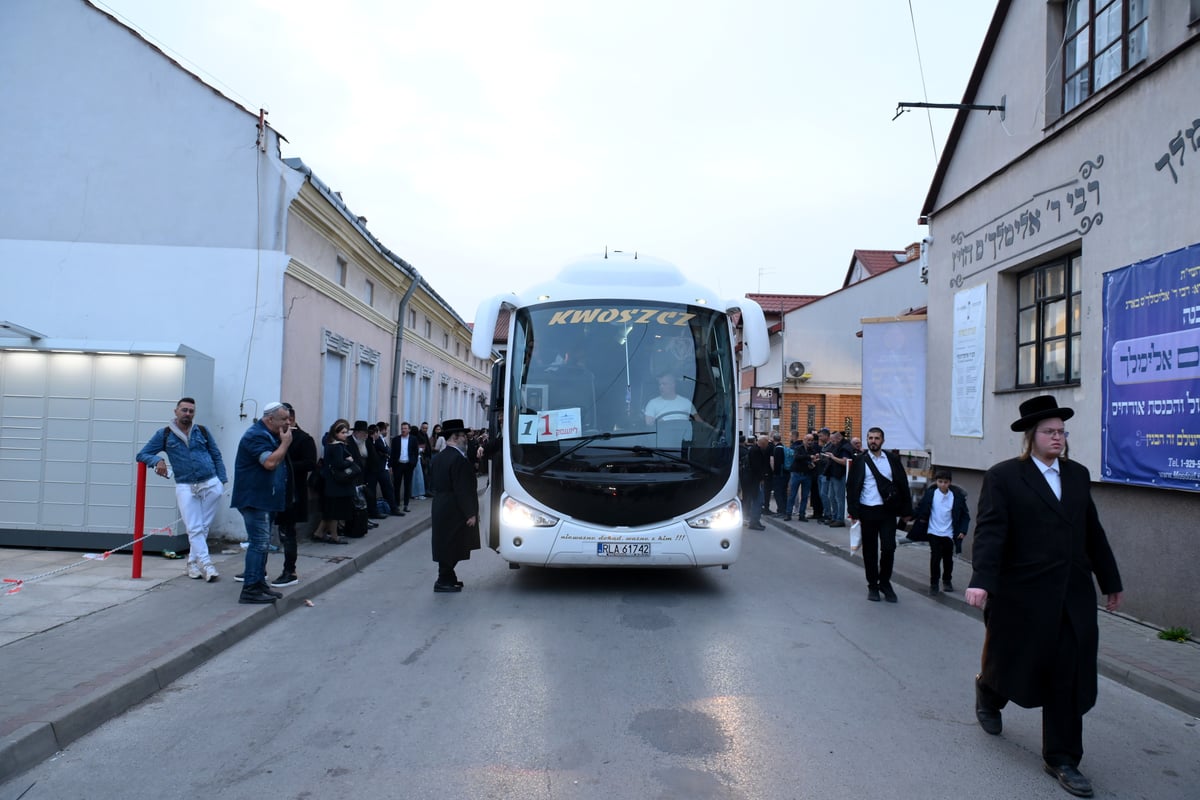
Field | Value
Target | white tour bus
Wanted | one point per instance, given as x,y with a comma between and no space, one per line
616,408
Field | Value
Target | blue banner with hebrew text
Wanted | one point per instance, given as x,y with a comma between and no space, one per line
1151,430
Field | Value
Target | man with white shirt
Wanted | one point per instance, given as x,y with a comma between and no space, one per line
1038,541
876,494
405,452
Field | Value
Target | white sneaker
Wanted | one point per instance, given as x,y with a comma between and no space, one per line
210,573
194,570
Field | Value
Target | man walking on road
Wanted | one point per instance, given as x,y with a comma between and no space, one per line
259,492
877,492
455,515
1038,541
199,480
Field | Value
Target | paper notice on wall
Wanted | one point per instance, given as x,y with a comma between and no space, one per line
549,426
966,377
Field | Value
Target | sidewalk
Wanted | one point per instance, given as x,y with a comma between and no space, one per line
85,644
1130,651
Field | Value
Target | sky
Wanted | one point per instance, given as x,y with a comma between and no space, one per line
749,142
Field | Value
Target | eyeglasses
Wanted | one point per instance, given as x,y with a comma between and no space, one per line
1055,433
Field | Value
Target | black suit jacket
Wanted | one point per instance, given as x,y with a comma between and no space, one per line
857,475
410,454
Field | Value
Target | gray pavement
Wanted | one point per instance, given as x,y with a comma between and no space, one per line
82,645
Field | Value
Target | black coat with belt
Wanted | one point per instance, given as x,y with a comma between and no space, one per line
1035,556
455,500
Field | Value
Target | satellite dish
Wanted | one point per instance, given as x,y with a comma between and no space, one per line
796,369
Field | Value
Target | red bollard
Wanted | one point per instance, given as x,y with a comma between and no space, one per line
139,520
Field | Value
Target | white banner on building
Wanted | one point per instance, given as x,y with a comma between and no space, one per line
966,378
893,383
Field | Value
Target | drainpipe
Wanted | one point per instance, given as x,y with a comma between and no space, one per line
397,362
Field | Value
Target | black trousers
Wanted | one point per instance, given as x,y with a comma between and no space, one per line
446,571
1062,721
878,545
941,559
402,480
287,540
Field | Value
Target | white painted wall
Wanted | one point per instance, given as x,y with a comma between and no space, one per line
822,334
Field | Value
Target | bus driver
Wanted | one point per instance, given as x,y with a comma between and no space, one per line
668,404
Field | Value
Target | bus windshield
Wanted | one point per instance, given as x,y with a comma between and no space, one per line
621,388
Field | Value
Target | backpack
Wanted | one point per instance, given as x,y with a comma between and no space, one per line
789,455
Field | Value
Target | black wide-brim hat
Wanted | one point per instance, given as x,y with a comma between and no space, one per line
1036,409
453,426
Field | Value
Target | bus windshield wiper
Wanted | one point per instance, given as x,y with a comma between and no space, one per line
670,454
586,440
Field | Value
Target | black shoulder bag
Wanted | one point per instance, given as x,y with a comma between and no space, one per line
887,489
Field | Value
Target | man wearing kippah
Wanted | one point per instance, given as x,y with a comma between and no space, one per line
259,492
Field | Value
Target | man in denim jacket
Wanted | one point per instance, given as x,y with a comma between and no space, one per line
259,491
199,479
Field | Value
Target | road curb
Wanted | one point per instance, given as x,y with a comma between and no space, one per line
37,740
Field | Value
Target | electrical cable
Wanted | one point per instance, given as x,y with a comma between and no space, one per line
924,88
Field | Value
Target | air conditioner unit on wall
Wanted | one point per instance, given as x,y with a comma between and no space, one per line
797,370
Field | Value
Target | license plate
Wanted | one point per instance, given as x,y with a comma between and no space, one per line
623,549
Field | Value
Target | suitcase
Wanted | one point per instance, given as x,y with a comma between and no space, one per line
356,526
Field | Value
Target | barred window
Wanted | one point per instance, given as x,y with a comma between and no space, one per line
1048,322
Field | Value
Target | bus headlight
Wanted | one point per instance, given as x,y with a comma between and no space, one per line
721,518
519,515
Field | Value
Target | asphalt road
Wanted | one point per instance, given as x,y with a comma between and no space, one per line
774,679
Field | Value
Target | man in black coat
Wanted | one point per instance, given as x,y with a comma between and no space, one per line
758,480
1038,541
301,460
455,515
876,501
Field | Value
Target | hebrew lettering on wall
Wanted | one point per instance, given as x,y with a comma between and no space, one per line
1057,212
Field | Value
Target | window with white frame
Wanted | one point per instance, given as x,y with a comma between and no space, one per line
335,351
426,401
412,319
428,330
1103,39
342,268
369,294
408,399
1048,323
368,382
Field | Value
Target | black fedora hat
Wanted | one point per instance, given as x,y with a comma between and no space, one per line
452,426
360,425
1036,409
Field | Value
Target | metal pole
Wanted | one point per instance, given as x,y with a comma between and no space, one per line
139,520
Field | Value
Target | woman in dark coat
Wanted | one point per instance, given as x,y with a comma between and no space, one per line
339,470
455,514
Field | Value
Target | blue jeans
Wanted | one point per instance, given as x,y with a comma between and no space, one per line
803,483
835,507
258,533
